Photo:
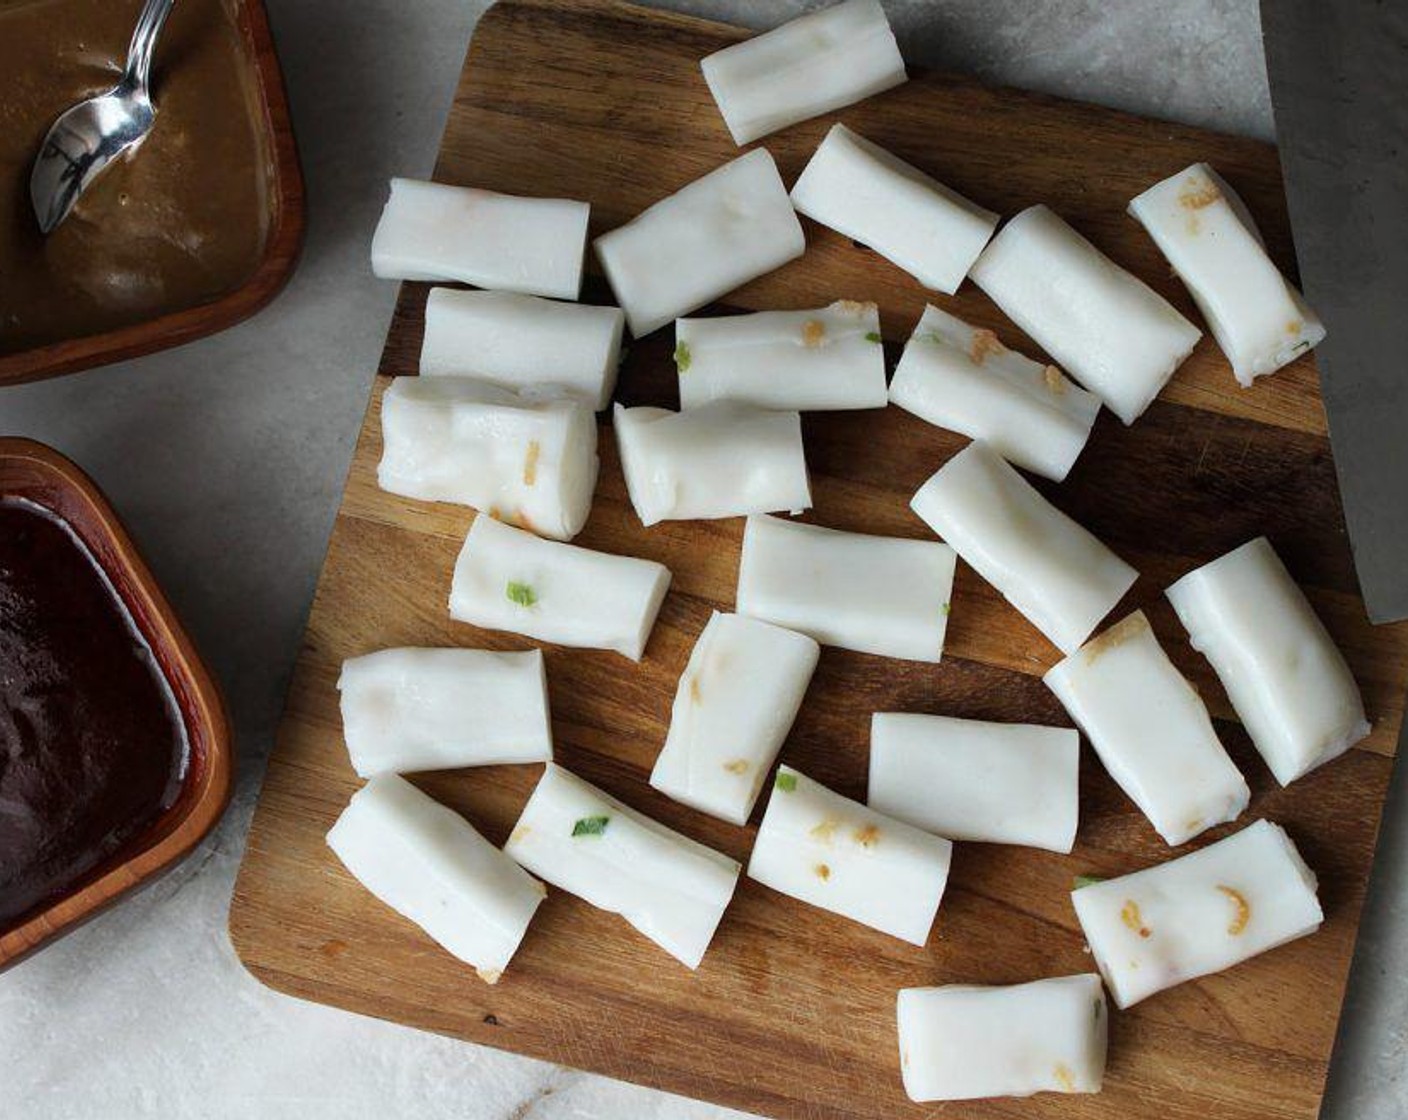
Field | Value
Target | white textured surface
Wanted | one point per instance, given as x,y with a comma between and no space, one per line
145,1013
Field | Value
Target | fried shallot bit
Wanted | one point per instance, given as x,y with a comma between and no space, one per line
1129,915
985,343
1243,913
1198,194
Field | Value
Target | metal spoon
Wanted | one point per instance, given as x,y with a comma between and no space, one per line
93,133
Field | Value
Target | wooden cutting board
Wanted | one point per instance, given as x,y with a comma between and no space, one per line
792,1012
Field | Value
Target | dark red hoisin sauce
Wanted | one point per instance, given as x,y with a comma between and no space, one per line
92,746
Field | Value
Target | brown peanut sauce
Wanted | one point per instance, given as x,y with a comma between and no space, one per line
180,222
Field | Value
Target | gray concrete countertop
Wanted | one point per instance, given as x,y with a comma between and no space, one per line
227,458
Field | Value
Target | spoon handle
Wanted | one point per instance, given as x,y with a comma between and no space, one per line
139,53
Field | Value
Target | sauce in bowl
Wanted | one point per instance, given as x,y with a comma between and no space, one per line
181,222
93,747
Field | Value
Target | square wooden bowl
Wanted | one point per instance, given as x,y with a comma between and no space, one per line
281,246
41,475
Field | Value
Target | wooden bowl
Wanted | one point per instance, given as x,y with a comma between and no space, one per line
281,247
41,475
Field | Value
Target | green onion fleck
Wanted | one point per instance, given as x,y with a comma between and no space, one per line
874,336
521,593
590,826
682,358
786,782
947,608
1080,881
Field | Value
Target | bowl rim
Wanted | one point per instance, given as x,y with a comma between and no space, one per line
276,265
208,784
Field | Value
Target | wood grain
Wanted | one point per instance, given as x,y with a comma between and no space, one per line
281,248
792,1012
37,473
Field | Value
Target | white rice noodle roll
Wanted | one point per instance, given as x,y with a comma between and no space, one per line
509,579
827,358
1047,566
708,238
523,342
670,888
735,703
1290,684
832,852
518,457
963,1042
962,378
811,65
721,460
882,595
872,196
1207,235
405,710
1198,914
1116,335
429,865
1151,730
1002,783
438,232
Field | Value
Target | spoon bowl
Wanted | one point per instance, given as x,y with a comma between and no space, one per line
81,144
89,136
